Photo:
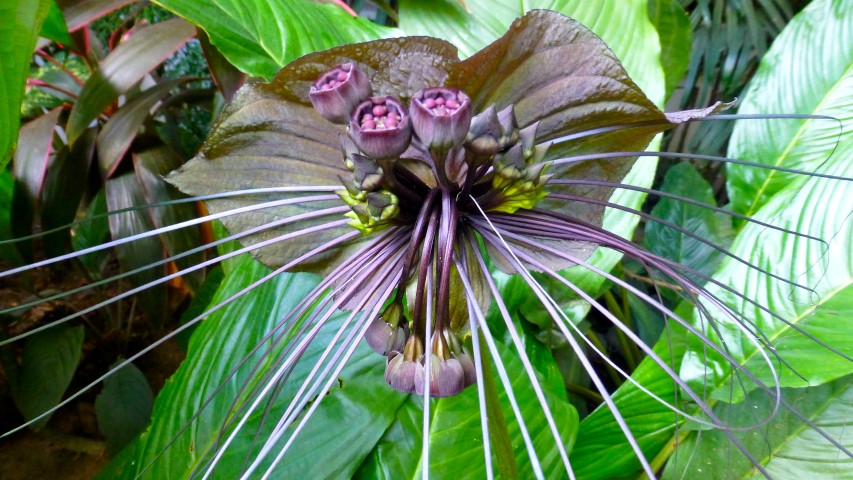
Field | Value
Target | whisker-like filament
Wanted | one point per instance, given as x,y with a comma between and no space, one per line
681,230
694,156
180,273
594,232
282,328
502,374
168,203
516,340
288,362
686,200
587,366
164,261
166,229
358,331
777,394
185,326
552,305
481,386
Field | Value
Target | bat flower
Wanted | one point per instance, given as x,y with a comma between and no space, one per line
418,187
402,175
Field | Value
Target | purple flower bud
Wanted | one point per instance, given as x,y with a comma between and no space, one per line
400,373
446,377
484,133
337,91
468,367
388,332
401,367
380,127
441,117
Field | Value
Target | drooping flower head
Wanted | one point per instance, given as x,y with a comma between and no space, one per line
409,180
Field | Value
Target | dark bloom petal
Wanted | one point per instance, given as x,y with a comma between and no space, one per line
270,136
553,70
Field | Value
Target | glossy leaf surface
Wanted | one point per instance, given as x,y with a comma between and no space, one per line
786,447
261,37
808,70
687,250
811,206
18,33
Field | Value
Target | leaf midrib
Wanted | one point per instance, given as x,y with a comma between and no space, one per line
755,204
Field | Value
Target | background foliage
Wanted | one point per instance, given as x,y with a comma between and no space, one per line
121,100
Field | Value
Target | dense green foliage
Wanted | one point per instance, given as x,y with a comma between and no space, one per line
121,108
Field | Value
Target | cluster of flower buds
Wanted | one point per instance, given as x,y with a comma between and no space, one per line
519,172
372,205
492,132
450,370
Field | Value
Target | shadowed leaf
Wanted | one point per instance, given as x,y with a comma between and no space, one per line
49,361
119,131
123,407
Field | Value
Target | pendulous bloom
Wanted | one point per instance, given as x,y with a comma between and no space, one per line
445,155
417,186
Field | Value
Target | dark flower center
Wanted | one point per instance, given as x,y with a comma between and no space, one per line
422,171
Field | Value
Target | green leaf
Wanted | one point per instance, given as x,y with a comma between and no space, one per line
18,33
54,27
342,432
49,361
806,205
624,27
785,447
456,448
601,450
261,37
685,181
125,66
397,453
808,70
456,426
123,407
676,38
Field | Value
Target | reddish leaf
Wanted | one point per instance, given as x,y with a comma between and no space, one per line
120,130
80,13
125,66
